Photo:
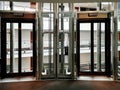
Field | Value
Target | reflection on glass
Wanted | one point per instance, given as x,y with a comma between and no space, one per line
103,47
65,25
48,67
99,47
48,22
47,7
27,47
47,27
64,61
8,47
14,67
85,48
95,31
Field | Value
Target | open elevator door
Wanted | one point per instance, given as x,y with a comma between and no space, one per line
56,45
93,43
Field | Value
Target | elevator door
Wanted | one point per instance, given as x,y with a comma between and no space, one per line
56,46
18,46
93,47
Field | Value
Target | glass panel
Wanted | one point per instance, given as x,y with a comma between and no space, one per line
102,47
99,47
64,62
4,5
48,22
85,48
12,67
48,36
27,47
8,47
48,64
47,7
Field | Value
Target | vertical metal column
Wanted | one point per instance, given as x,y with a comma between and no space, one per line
62,40
71,44
40,43
34,47
71,38
108,47
0,47
19,48
11,42
3,48
0,43
71,7
50,42
99,46
115,42
92,48
115,47
99,43
55,39
78,48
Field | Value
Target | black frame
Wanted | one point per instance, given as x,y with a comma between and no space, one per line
107,46
4,51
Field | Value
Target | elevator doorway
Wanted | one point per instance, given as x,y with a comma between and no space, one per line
18,57
93,44
56,49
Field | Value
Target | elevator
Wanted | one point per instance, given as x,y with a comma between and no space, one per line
93,43
18,44
57,45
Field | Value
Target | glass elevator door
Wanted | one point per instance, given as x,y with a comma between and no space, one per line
93,46
56,45
19,47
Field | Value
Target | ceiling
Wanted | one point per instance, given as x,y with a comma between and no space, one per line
64,1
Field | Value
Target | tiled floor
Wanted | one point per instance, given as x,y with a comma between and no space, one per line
61,85
90,78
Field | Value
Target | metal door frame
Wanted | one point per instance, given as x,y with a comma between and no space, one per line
3,46
107,46
56,44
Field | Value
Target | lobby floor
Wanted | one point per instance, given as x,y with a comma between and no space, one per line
84,78
61,85
82,83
